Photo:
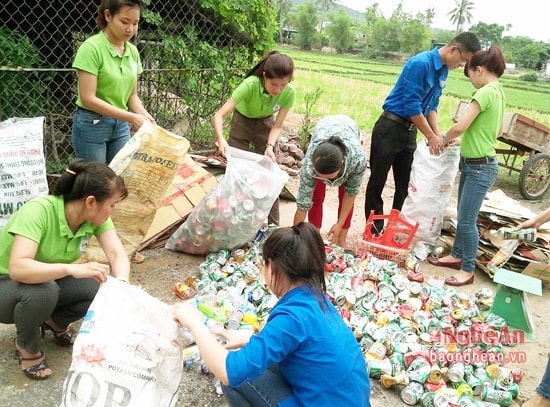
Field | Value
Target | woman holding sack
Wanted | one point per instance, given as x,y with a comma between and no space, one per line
480,125
41,288
259,106
305,355
108,105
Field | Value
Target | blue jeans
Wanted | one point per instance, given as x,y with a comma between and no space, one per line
96,137
475,181
268,390
544,387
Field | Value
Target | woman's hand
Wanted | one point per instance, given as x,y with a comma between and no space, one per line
188,315
95,270
270,153
235,339
222,145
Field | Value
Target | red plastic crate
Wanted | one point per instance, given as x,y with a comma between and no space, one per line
393,243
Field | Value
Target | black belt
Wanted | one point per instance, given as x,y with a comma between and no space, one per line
480,160
398,119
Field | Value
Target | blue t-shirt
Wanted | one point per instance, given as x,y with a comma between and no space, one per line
419,86
316,353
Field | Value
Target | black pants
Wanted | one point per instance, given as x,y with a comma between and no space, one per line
392,146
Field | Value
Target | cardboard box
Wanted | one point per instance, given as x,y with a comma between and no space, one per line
190,185
538,270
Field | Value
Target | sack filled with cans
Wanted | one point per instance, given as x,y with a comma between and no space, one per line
232,212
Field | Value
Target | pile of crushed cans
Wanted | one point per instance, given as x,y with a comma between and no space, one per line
435,345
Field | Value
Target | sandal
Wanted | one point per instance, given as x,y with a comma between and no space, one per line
32,371
65,337
137,258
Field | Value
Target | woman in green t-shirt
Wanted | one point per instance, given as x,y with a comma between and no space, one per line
259,106
41,286
108,105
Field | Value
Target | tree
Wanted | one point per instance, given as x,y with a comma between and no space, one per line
306,21
283,6
488,33
461,13
340,32
327,4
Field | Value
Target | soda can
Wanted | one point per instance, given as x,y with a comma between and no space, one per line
504,378
486,404
412,393
516,374
183,291
500,397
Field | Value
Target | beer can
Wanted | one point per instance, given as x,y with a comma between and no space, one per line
500,397
419,370
398,361
435,375
456,372
388,381
467,401
377,367
433,399
377,351
412,393
465,389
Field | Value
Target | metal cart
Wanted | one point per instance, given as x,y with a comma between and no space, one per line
526,138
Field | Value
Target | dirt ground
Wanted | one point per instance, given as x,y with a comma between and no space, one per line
163,267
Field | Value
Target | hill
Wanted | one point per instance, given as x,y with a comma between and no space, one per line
356,16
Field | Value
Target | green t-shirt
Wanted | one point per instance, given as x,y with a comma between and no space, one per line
116,75
253,102
43,220
480,138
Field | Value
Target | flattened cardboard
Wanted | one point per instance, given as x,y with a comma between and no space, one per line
190,185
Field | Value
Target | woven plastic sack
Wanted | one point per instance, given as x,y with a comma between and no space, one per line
231,213
127,353
430,188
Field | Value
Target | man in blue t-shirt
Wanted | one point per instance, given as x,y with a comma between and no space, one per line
411,105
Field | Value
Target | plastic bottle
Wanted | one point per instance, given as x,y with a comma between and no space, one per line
507,248
211,311
502,235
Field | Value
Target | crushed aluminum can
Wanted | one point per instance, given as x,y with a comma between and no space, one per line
412,393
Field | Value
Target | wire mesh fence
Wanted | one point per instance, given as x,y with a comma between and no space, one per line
191,59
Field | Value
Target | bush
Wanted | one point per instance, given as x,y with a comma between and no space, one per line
529,77
17,89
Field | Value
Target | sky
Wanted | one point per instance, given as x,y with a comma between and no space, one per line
529,18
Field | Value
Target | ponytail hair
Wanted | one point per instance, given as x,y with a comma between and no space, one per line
274,66
329,155
297,252
82,179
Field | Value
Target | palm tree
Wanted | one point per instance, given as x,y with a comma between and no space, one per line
327,4
461,13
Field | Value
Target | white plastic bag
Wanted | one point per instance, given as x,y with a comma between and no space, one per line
127,353
232,212
430,187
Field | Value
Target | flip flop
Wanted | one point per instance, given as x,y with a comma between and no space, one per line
137,258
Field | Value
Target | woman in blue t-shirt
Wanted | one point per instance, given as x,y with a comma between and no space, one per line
305,355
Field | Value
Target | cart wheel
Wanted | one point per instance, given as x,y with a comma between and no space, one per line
534,178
